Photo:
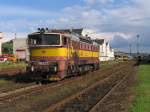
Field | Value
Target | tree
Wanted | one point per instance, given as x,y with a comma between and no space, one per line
7,47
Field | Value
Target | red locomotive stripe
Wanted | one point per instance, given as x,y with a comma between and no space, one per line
84,58
48,58
88,58
79,61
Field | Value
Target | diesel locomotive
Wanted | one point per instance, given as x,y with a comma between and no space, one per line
56,54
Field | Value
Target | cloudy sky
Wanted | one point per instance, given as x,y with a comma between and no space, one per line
118,21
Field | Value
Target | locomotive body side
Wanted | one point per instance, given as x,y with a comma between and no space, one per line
84,56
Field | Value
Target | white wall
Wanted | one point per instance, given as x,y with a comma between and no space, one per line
20,44
110,53
0,47
1,35
103,52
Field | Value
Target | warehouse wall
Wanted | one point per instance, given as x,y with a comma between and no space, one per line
20,44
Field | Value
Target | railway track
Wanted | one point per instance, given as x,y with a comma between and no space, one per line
22,92
97,106
25,91
89,99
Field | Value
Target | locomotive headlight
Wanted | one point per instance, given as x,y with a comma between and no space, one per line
55,68
32,68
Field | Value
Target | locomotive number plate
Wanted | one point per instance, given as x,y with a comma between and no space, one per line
43,63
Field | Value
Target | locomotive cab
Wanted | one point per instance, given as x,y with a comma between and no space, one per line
48,54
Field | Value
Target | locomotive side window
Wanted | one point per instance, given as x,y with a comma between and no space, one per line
65,41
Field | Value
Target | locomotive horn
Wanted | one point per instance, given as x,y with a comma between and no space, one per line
39,29
42,30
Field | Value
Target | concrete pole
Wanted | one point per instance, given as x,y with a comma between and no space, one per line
138,36
130,48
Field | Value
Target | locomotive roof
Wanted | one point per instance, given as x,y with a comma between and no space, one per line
99,41
69,31
77,31
75,34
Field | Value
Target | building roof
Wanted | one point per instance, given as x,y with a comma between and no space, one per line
99,41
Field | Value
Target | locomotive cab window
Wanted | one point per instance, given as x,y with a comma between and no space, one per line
44,39
35,40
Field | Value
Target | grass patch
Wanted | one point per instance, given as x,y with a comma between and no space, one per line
2,82
6,66
107,64
142,99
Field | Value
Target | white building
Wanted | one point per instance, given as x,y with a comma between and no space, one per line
1,36
20,48
106,52
110,52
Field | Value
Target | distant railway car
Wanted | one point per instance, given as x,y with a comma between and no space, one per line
56,54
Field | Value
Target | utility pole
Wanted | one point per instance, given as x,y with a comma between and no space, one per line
130,49
15,36
138,36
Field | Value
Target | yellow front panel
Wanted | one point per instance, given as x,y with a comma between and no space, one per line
49,52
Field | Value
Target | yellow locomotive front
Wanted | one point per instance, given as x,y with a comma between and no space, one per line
48,54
